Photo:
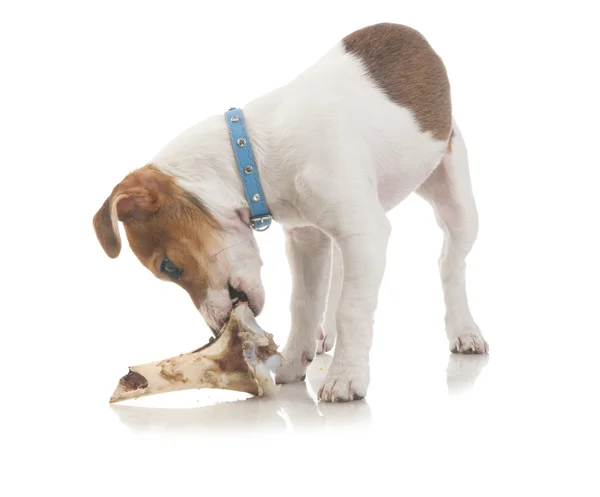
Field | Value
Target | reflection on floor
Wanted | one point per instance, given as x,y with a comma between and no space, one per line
294,408
463,370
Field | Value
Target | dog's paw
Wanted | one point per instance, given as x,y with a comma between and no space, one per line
468,342
325,342
344,384
294,366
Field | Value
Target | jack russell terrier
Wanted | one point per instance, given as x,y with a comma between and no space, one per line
327,156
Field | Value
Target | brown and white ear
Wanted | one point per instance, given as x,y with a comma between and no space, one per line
106,222
137,198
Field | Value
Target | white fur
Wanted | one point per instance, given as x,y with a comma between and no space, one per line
328,332
334,155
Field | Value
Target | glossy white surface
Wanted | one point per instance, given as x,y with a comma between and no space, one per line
88,93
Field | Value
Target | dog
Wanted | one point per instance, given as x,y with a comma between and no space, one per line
335,149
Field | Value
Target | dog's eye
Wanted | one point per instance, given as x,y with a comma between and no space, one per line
170,269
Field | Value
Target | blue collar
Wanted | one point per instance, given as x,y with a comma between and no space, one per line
260,217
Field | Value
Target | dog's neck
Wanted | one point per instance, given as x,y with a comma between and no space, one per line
203,163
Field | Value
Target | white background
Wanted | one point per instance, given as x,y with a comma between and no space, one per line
91,90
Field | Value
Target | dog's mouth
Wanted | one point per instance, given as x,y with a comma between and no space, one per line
237,296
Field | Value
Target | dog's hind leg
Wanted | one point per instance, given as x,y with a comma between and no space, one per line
328,331
448,190
309,256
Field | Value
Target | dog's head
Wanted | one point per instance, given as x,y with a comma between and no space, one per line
176,237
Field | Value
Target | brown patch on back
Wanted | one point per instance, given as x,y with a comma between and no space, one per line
161,220
406,68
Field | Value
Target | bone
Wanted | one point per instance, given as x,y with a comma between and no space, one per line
243,358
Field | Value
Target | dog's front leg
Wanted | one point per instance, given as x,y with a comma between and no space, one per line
363,256
309,255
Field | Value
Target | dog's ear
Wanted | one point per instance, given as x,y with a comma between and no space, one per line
137,197
106,223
